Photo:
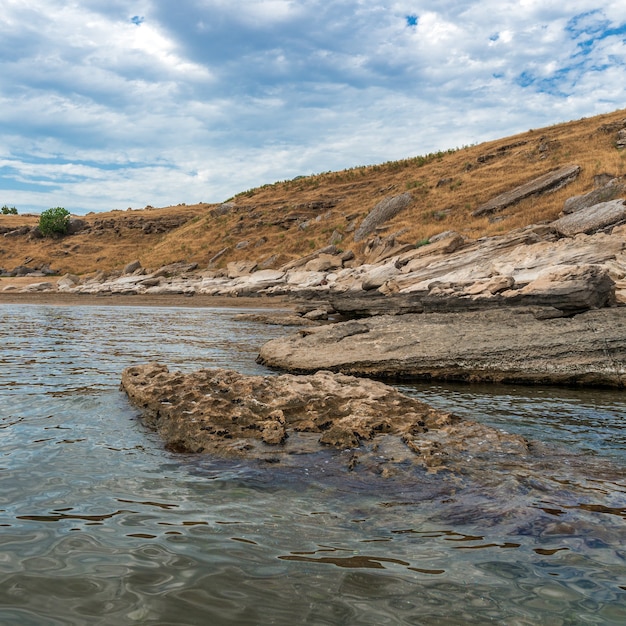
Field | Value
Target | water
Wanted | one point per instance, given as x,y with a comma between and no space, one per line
100,525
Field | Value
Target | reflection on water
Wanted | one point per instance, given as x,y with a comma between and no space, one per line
590,420
98,524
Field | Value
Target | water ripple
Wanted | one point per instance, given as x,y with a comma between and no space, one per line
99,524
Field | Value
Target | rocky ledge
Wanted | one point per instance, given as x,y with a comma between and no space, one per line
280,418
506,345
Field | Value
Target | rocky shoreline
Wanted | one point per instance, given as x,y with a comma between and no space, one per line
541,304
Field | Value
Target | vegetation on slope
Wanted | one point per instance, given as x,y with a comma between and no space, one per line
274,223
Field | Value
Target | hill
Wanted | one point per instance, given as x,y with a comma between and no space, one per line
278,222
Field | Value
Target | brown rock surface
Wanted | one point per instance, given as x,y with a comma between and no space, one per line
507,345
278,418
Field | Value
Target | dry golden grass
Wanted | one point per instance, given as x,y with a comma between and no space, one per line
446,188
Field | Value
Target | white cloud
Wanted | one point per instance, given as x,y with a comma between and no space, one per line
199,100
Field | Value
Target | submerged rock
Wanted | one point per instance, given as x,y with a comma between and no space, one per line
276,417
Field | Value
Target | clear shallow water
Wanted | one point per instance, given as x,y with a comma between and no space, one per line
100,525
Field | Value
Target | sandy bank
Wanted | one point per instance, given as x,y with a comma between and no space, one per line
169,300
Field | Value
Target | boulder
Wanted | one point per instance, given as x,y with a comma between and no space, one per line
442,245
316,315
384,211
302,261
305,279
132,267
67,282
264,278
281,418
505,345
608,191
568,288
378,275
175,269
237,269
324,263
216,257
592,219
34,287
543,184
75,225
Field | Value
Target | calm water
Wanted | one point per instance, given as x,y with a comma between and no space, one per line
100,525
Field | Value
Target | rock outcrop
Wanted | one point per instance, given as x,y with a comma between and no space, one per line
610,190
492,346
381,213
281,418
543,184
592,219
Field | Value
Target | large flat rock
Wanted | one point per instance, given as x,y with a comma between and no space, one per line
507,345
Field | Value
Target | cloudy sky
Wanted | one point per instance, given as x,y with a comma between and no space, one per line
109,104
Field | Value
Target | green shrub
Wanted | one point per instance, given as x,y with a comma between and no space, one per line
54,222
5,210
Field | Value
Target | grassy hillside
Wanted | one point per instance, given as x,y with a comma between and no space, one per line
280,221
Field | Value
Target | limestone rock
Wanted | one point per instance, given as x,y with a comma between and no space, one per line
237,269
569,288
524,256
277,418
45,286
323,263
507,345
276,319
175,269
301,262
132,267
379,275
548,182
384,211
316,315
593,218
67,282
608,191
305,279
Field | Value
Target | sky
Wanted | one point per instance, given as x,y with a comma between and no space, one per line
110,104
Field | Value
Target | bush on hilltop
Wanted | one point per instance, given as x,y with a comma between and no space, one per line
54,222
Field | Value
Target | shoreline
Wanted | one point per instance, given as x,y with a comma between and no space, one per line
163,300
